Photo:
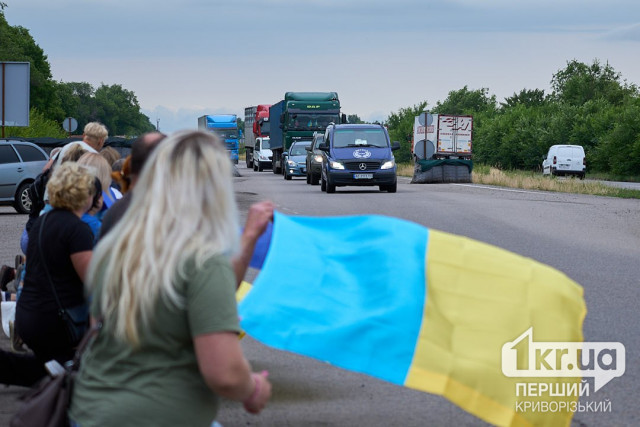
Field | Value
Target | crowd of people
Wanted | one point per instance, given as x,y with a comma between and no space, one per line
149,247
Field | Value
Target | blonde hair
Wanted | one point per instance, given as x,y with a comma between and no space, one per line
95,132
183,209
73,153
99,166
70,186
110,154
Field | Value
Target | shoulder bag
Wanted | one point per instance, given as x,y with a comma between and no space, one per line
47,404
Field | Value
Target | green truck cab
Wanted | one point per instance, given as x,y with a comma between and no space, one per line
297,117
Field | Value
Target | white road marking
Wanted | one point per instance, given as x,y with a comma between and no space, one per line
497,188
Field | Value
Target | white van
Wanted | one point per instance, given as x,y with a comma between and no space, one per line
262,154
565,160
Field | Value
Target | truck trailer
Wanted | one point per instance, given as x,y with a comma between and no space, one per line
225,126
442,148
297,117
256,125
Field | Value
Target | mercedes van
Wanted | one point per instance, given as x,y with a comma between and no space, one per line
357,154
565,160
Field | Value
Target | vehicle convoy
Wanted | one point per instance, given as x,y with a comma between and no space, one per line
261,154
314,159
296,160
225,126
20,163
565,160
297,117
256,125
442,148
358,154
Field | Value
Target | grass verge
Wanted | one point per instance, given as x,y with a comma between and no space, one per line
528,180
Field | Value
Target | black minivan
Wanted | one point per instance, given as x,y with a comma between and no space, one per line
358,155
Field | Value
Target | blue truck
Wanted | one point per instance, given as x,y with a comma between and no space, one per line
225,126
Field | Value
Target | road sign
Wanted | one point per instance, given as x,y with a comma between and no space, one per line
70,124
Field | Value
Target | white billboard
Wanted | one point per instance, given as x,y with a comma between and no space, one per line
14,93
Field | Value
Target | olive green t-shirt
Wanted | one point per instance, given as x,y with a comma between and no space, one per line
159,383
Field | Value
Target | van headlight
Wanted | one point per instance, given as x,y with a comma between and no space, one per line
389,164
336,165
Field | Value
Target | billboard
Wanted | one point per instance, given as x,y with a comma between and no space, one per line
14,93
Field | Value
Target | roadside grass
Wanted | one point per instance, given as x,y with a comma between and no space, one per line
528,180
405,169
609,177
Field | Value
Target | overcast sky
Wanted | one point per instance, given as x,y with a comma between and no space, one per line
187,58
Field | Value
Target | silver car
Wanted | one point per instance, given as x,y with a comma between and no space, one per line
20,163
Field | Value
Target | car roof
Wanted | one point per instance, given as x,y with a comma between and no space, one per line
20,142
358,126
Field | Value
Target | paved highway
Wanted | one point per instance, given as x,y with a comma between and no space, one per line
594,240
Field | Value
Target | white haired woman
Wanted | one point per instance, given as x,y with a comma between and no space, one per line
164,288
59,252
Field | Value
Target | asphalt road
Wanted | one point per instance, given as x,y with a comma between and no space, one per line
594,240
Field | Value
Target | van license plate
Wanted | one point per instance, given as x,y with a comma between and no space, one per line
362,176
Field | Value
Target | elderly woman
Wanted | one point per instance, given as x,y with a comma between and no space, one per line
58,252
102,170
163,283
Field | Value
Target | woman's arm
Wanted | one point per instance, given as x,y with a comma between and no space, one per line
80,261
258,218
227,372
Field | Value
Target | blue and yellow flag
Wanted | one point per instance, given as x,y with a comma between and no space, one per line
413,306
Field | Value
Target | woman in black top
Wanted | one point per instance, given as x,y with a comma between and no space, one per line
63,247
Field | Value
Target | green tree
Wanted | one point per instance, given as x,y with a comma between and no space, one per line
18,45
353,118
39,126
400,126
78,101
119,110
579,83
466,102
618,150
529,98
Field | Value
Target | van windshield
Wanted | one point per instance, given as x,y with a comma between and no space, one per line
358,137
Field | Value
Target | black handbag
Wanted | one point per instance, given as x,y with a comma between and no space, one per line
75,319
46,404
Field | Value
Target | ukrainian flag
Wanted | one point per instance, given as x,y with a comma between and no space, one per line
413,306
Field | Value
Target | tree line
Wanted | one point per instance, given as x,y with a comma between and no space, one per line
589,105
52,101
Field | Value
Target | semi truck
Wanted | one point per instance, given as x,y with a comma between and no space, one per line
297,117
225,126
447,136
256,125
442,148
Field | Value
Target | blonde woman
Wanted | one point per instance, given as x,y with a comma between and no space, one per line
103,171
110,154
163,283
59,252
